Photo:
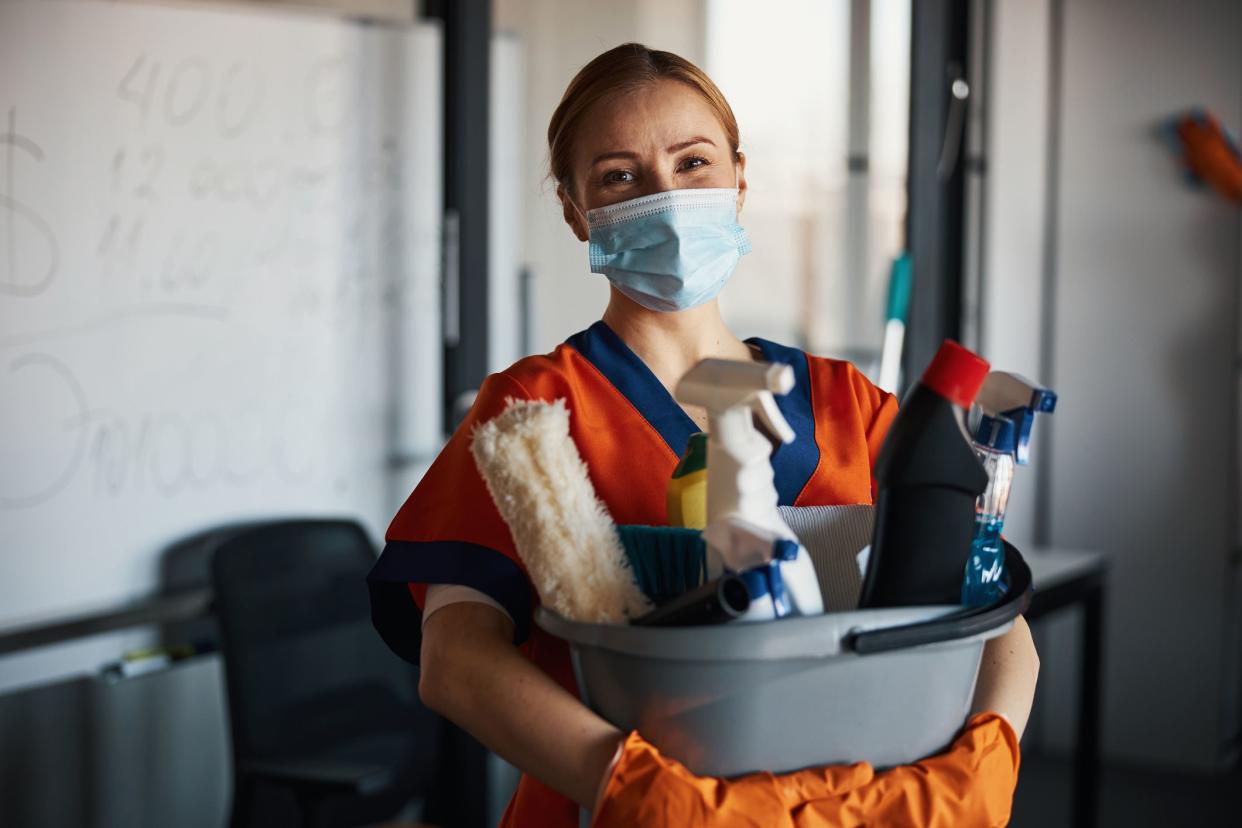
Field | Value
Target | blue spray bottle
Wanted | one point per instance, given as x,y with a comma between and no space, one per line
1002,442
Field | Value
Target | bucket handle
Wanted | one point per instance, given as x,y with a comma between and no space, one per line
960,624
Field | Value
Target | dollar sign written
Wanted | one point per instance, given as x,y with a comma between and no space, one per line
18,217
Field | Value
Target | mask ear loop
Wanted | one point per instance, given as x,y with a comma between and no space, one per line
737,183
579,212
737,177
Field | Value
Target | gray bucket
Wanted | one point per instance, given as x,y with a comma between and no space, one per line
889,686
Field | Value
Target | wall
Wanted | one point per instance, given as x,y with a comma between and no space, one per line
1141,326
1017,115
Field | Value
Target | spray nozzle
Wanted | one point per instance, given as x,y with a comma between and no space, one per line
720,384
1010,403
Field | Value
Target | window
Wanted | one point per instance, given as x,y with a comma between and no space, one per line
821,93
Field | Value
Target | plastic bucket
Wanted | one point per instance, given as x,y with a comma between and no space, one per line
888,686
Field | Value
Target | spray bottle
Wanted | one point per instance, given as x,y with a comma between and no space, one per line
1002,440
745,533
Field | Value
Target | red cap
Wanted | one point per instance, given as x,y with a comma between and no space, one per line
956,373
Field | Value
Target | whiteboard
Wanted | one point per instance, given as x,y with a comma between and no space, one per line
219,281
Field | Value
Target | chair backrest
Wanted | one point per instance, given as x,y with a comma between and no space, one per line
304,667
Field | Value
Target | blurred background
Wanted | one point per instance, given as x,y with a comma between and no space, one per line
255,257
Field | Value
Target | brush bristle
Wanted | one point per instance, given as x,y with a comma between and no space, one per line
562,532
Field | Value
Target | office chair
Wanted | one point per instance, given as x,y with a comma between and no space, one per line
327,728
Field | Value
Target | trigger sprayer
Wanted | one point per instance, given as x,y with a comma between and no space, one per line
745,533
1002,441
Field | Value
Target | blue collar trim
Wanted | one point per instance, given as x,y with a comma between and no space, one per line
631,376
795,462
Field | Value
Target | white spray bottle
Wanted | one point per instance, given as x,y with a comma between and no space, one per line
745,532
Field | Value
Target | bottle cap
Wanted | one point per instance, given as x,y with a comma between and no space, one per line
997,433
956,374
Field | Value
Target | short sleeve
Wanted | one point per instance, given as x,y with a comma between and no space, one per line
880,422
450,532
878,408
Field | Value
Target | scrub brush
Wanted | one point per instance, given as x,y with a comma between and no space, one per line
667,561
563,533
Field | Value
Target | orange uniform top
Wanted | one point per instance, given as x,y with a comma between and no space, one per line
630,432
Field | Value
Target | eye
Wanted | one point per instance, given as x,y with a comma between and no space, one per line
618,177
693,162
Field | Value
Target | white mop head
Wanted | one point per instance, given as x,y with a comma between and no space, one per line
562,531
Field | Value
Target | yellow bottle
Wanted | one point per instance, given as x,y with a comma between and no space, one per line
687,488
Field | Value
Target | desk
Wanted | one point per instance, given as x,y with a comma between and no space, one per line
1063,578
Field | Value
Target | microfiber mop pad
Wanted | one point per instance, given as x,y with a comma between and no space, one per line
561,530
833,536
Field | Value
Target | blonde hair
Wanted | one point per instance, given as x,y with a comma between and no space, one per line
620,70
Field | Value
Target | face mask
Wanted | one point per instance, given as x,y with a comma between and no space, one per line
668,251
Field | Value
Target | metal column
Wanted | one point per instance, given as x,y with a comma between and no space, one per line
467,63
939,95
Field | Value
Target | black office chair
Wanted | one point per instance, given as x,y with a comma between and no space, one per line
326,723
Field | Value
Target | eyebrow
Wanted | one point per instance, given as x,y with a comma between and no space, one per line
608,156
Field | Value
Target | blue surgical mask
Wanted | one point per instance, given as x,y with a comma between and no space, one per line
668,251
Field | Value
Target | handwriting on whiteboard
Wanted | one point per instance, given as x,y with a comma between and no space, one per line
30,251
225,200
166,453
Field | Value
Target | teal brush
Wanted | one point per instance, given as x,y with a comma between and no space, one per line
666,560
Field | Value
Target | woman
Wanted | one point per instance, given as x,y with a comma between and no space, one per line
644,151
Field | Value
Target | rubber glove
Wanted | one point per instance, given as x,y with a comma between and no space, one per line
970,784
1210,154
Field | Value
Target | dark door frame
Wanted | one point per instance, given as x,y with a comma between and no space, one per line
935,222
467,28
461,793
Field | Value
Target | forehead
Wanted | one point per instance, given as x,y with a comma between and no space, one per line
647,119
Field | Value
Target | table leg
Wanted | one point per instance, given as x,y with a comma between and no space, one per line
1086,783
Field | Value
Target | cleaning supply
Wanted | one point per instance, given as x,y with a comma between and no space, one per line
983,581
886,686
727,598
929,480
834,536
666,561
562,532
744,529
687,488
1002,441
766,583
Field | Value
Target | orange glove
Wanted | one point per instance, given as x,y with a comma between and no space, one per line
971,784
1210,155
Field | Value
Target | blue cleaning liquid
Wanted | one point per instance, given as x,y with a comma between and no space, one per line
985,568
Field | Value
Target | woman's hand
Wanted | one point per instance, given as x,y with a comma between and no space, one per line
472,674
1007,676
